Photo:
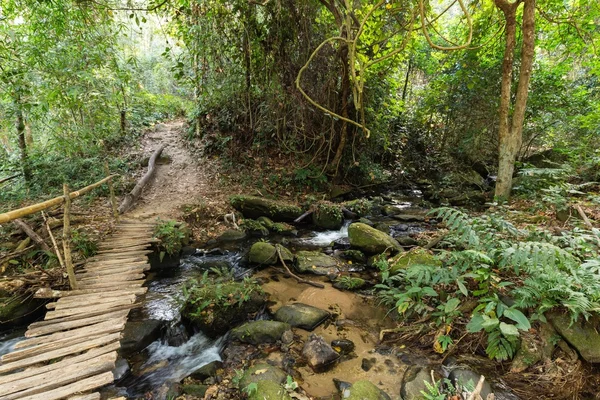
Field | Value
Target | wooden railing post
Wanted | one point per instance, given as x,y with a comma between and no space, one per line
67,238
113,200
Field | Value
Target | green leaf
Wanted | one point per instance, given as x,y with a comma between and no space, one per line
462,287
489,323
518,317
475,324
508,329
451,305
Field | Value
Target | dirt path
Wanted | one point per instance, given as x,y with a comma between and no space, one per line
186,180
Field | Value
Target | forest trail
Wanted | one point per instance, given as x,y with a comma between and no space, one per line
181,178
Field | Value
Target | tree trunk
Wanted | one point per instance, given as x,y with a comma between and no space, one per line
510,129
344,111
22,140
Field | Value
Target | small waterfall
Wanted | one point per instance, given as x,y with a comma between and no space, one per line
322,239
7,343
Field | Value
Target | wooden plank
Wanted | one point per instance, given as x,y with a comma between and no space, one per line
91,396
98,301
76,348
109,326
83,385
84,310
57,325
125,284
88,355
124,250
113,262
93,297
93,268
126,244
107,271
47,293
114,276
57,378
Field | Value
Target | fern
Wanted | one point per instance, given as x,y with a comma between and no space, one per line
459,223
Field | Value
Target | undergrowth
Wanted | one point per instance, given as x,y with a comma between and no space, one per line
514,275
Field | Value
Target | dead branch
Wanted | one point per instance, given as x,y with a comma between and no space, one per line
31,233
296,277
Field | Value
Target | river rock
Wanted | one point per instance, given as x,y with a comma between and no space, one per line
197,391
349,283
232,235
341,244
269,390
368,363
390,210
315,262
207,371
407,241
302,316
15,311
258,332
343,346
319,354
264,253
139,334
263,372
364,390
284,229
409,218
328,216
266,222
256,207
468,379
360,207
370,240
354,256
413,382
366,221
382,227
583,335
417,256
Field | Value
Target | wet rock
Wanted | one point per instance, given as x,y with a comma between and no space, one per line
366,221
341,244
287,337
343,346
383,227
364,390
468,379
139,334
165,263
315,262
390,210
232,235
413,382
121,368
258,332
367,364
302,316
583,335
15,311
401,227
263,372
256,207
207,371
319,354
349,283
195,390
340,385
417,256
354,256
269,390
409,218
328,216
264,253
370,240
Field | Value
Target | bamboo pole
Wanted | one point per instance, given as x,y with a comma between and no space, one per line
22,212
67,238
58,255
113,200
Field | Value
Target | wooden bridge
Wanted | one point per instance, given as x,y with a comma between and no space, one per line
72,352
74,349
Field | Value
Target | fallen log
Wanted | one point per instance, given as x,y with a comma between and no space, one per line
306,214
8,178
31,233
132,197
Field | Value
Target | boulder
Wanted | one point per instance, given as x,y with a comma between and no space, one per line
269,390
266,222
354,255
416,256
259,332
263,372
366,221
364,390
232,235
319,354
254,228
207,371
469,379
256,207
264,253
413,382
583,335
302,316
382,227
407,241
370,240
409,218
284,229
360,207
390,210
342,243
343,346
15,311
349,283
197,391
328,216
138,335
315,262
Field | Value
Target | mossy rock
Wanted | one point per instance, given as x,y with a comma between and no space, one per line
266,222
254,228
263,372
284,229
259,332
583,335
364,390
360,207
417,256
14,311
315,262
263,253
370,240
256,207
354,255
232,235
195,390
269,390
302,316
350,283
328,216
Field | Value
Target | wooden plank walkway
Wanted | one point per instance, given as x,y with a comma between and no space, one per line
72,353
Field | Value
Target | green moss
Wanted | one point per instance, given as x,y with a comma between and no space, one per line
256,207
417,256
360,207
268,390
371,240
328,216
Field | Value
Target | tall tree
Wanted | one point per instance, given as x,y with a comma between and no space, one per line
511,124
